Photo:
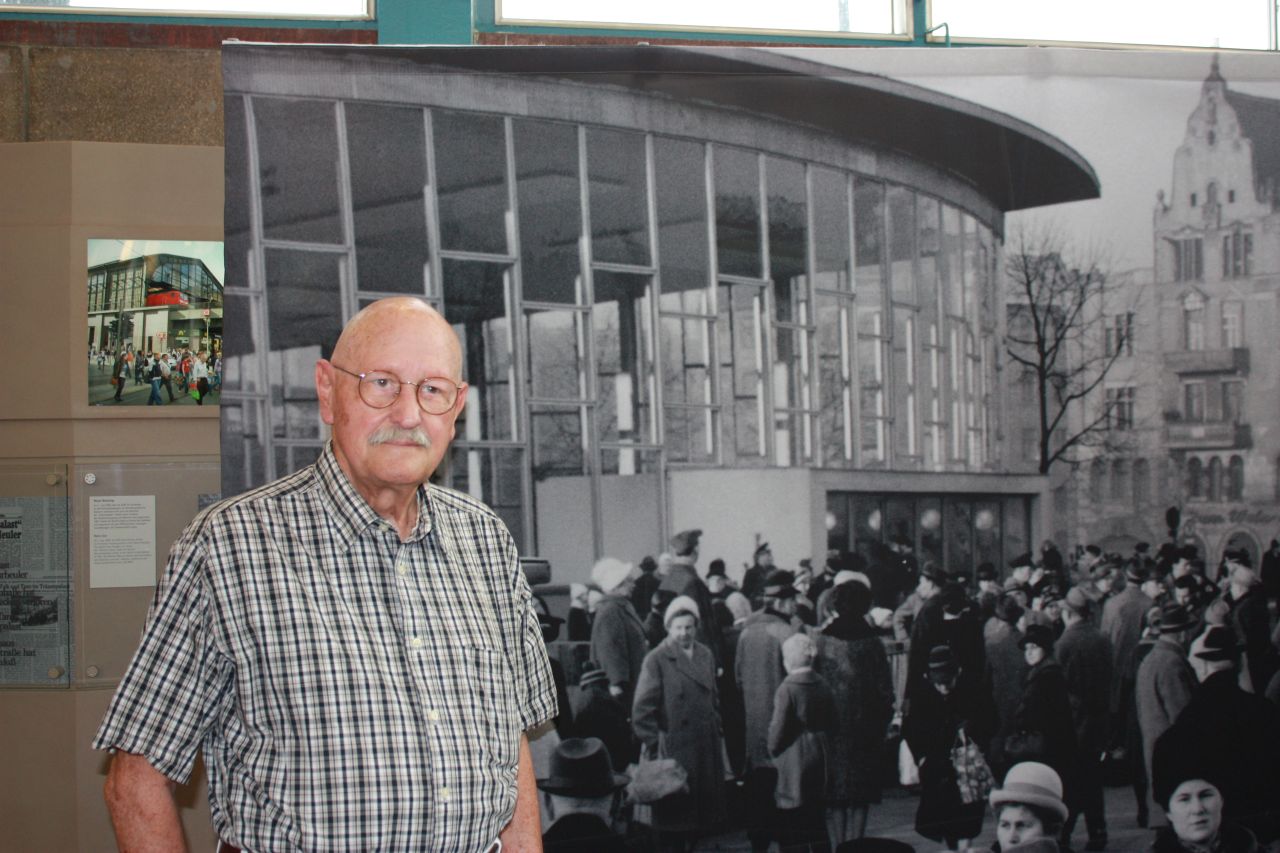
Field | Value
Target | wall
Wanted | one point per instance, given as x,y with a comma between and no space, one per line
53,198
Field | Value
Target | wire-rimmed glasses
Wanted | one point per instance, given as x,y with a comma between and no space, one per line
379,389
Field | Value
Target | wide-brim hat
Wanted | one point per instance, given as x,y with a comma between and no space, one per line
942,660
592,674
580,767
1219,644
608,572
933,572
1034,784
1174,618
1021,560
1078,601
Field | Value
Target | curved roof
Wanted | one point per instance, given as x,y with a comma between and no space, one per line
1014,164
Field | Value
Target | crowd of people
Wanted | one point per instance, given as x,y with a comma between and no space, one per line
193,373
777,698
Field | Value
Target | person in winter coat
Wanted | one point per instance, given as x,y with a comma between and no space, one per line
1165,680
1029,810
597,713
946,619
1122,617
1188,784
1239,733
1006,672
1085,656
1043,722
803,714
618,642
1251,619
951,700
758,672
676,715
851,659
1135,761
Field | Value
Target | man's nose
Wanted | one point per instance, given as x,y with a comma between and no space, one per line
405,411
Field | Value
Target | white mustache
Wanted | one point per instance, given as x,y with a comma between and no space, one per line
389,433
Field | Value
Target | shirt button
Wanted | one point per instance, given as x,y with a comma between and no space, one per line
402,569
444,794
415,642
433,715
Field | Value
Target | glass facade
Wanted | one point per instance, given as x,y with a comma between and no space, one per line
628,301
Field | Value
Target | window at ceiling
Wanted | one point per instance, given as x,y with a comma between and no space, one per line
310,9
1189,23
863,17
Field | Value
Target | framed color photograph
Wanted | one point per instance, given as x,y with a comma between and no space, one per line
154,322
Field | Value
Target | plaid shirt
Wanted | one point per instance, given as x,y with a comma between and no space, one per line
349,691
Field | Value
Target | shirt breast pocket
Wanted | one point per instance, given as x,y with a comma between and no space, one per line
485,696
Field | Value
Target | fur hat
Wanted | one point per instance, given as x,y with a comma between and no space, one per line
1038,635
608,572
1034,784
1243,575
680,604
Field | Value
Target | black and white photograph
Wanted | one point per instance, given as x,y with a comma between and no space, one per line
900,427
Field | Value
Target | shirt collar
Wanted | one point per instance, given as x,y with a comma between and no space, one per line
350,512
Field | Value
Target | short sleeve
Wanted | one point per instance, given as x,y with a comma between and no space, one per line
170,691
536,691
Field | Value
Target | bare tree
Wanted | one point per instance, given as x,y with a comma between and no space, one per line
1058,337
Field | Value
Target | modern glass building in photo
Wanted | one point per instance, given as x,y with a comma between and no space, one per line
716,288
154,303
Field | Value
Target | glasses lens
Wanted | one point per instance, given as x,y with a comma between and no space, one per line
437,395
379,389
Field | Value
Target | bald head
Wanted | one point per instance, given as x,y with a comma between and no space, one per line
374,322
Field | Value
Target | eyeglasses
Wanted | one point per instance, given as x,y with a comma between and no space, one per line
380,389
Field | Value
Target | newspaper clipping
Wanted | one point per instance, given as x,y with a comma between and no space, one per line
34,591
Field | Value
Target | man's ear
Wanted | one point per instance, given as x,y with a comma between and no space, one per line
324,389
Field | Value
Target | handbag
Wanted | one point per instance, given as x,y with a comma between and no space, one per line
973,775
908,770
1024,746
653,779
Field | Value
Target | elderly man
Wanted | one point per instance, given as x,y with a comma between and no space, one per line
353,651
582,796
